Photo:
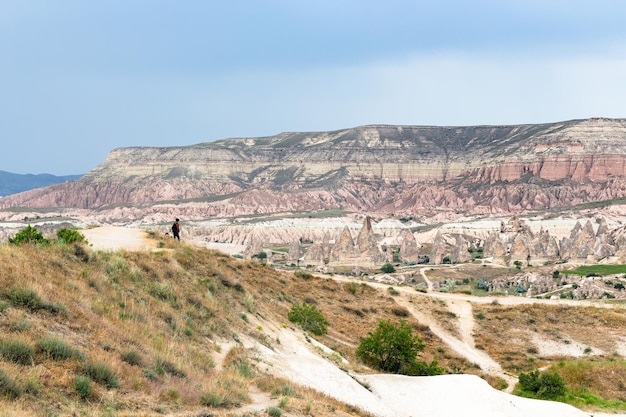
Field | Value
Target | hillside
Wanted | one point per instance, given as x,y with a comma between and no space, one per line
381,170
180,330
11,183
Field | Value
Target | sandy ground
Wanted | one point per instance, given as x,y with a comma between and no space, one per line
298,359
115,238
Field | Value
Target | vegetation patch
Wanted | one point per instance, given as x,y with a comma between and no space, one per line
542,385
8,386
394,348
27,235
29,299
101,373
596,270
17,351
57,349
309,318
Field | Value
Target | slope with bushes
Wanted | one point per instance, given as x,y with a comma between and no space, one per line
143,333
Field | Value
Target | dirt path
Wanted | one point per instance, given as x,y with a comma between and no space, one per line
461,305
115,238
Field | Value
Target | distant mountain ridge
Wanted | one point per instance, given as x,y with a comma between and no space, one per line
11,183
376,169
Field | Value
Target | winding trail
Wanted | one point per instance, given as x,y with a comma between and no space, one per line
461,306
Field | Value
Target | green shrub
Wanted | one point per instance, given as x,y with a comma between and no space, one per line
100,372
274,412
388,268
421,368
212,399
57,349
17,351
162,291
8,386
132,357
545,385
162,367
28,234
309,318
20,326
70,236
301,273
217,400
26,298
400,312
391,348
286,390
82,386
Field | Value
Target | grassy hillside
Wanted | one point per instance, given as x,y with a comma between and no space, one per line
150,333
94,333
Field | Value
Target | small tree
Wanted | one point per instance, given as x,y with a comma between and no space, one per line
309,318
70,236
390,348
388,268
28,234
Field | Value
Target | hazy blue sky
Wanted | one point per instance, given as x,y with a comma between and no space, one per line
79,78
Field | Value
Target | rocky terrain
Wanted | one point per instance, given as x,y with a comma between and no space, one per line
367,195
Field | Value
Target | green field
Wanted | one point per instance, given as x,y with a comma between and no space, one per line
598,270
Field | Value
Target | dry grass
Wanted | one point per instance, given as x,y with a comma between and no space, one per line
509,334
174,309
179,311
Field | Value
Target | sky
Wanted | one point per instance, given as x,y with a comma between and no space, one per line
79,78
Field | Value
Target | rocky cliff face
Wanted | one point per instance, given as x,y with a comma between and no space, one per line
375,169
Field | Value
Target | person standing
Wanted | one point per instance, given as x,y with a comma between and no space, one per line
176,229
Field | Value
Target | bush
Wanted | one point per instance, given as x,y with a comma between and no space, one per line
82,386
301,273
391,348
17,351
8,386
70,236
309,318
132,358
274,412
162,367
424,369
56,349
546,385
100,372
28,234
23,297
388,268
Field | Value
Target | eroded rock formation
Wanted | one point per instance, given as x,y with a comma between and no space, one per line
375,169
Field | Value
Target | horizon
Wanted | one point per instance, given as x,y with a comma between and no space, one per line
346,128
81,79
